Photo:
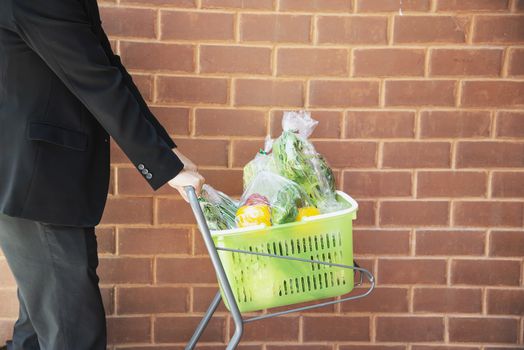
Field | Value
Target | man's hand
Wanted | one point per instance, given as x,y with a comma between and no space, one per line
189,176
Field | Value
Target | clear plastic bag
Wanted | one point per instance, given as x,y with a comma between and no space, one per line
219,209
284,197
296,159
263,161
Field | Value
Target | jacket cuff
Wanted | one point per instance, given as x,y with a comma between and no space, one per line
170,166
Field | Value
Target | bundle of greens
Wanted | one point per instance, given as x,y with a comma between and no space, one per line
285,197
296,159
219,210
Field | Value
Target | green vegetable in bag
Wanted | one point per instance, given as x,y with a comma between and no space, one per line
219,209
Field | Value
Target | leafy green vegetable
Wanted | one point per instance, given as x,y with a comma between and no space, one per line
284,208
219,210
297,160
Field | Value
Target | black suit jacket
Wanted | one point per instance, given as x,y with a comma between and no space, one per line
62,94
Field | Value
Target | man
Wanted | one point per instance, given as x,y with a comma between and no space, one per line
62,94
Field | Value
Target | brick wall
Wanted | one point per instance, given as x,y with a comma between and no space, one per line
420,114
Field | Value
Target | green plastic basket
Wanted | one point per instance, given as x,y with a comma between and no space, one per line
260,282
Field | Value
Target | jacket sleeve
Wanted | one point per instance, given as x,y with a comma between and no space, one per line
60,32
115,61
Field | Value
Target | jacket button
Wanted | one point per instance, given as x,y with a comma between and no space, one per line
140,166
149,176
145,171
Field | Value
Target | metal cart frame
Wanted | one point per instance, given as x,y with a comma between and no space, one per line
237,316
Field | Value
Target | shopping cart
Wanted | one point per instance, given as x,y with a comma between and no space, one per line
263,267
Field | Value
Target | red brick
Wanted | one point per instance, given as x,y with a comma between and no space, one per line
174,211
510,124
483,330
519,6
145,85
411,271
410,329
235,59
276,28
392,5
366,213
499,29
128,210
192,90
438,347
274,93
9,306
276,329
230,122
516,62
6,277
174,120
108,298
117,155
370,30
449,242
181,328
472,5
451,184
388,62
197,26
122,330
149,300
170,3
105,237
335,93
372,347
239,4
506,243
430,29
6,330
420,93
480,62
185,270
316,5
505,302
344,154
490,154
329,125
299,347
416,155
125,270
387,242
205,152
226,180
380,124
336,328
154,241
378,183
127,22
485,272
447,300
507,184
455,124
158,57
245,150
493,94
488,214
312,62
381,300
400,213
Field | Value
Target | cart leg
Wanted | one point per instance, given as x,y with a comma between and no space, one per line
204,321
239,329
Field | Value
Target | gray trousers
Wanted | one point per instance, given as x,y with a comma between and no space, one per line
55,271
